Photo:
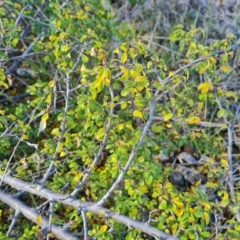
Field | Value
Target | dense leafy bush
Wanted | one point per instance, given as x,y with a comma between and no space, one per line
94,124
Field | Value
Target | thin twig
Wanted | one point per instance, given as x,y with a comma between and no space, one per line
85,228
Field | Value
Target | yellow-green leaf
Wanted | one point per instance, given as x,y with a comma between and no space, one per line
106,81
15,41
206,217
168,116
211,185
52,38
205,87
85,58
51,83
125,73
100,133
39,219
137,113
124,57
93,52
107,73
65,48
193,120
123,105
116,51
93,92
43,122
226,69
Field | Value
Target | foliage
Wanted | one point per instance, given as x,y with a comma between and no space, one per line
99,106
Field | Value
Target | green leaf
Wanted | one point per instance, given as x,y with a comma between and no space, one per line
149,179
85,58
125,92
162,205
222,113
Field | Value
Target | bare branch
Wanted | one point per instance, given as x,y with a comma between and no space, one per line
81,205
32,214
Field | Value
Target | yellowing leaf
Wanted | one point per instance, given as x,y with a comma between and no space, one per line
226,69
137,113
83,80
123,105
170,74
25,137
224,163
193,120
174,228
124,57
211,185
206,217
100,133
106,81
14,42
125,73
39,219
84,69
120,126
168,116
62,35
93,52
205,87
93,92
168,125
2,112
63,64
52,38
143,189
43,122
206,206
116,51
51,83
129,126
62,154
107,73
60,147
65,48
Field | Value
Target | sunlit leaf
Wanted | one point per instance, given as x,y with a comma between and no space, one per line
124,57
137,113
116,51
226,68
123,105
43,122
103,229
39,219
167,116
193,120
205,87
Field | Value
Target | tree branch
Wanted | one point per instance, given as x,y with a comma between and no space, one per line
32,215
81,205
